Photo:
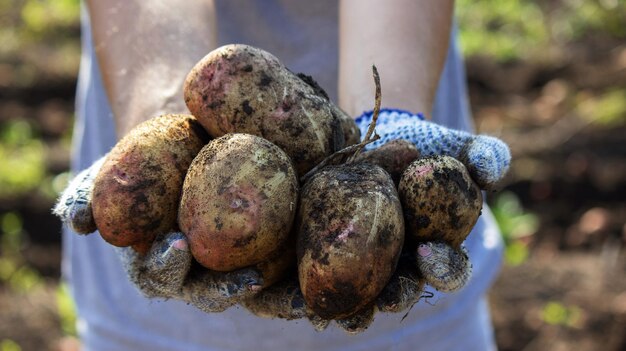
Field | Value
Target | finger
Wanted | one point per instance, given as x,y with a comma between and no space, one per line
318,323
167,264
403,290
284,300
162,271
487,159
443,267
74,204
281,300
213,291
358,322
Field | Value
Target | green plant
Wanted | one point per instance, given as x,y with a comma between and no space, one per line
607,109
23,158
33,29
556,313
522,29
9,345
66,309
504,29
38,15
516,226
13,271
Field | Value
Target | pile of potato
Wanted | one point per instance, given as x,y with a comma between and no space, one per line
231,178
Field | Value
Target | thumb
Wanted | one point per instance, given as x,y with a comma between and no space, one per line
74,205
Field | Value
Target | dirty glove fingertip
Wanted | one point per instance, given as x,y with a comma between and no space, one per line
487,159
74,205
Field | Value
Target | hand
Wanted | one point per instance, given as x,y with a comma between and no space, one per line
167,270
486,158
284,300
437,264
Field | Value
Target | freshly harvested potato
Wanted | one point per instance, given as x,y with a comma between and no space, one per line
394,157
238,203
136,192
351,132
350,234
281,264
440,200
242,89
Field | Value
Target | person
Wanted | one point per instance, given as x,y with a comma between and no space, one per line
136,55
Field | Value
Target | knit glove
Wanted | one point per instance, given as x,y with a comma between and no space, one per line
166,270
285,300
486,158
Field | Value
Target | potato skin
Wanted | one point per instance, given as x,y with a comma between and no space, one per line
280,265
242,89
136,192
351,132
440,200
238,203
350,234
394,157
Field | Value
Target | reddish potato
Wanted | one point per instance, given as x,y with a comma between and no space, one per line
238,203
136,192
394,157
242,89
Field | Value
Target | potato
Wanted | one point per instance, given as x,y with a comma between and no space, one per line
281,264
136,192
238,203
440,200
351,132
394,157
242,89
350,234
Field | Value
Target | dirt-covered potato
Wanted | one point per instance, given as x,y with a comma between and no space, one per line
242,89
350,234
238,202
394,157
281,264
440,200
136,192
351,132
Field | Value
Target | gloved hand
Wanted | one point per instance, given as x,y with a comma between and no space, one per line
486,158
285,300
167,269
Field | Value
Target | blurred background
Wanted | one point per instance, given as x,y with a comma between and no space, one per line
548,77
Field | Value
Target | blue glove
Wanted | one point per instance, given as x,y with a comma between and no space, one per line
166,271
486,158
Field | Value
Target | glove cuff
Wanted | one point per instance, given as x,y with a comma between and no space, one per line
390,120
388,115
